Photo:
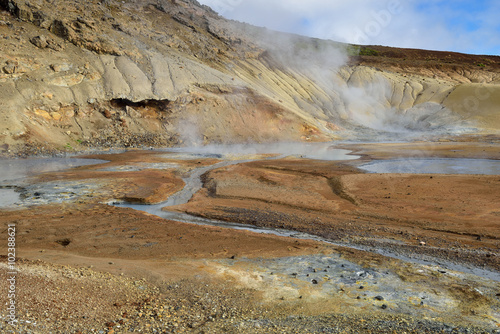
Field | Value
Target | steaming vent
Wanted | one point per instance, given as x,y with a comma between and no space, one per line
424,118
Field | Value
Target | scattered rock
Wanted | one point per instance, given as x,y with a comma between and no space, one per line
56,67
9,69
43,113
56,116
39,41
64,242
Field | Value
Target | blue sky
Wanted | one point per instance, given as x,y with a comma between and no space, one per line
461,26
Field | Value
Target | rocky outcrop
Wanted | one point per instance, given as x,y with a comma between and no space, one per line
108,73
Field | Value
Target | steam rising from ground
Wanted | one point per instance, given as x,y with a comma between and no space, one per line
425,118
319,151
189,131
363,106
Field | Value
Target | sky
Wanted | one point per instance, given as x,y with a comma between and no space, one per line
446,25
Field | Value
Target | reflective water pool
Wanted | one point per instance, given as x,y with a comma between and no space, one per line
13,169
318,151
13,172
8,197
434,166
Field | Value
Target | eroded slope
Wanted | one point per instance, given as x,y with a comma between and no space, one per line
138,73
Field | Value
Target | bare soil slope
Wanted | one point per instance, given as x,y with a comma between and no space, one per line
114,74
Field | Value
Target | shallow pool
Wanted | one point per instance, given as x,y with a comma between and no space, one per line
8,197
434,166
14,172
15,169
317,151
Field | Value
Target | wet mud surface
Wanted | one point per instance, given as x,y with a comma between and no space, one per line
441,235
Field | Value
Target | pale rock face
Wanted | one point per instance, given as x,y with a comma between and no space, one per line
115,85
182,69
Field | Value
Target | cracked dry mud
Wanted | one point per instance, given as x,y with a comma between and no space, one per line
85,266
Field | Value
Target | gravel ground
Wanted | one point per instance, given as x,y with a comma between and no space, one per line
62,299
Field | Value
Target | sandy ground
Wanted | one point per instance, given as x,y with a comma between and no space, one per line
84,266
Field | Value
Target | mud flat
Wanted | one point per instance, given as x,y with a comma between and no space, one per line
86,266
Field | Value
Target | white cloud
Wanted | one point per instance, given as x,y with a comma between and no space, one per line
391,22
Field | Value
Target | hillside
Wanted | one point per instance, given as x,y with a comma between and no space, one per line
160,73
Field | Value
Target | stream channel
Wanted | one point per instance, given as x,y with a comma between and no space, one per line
311,151
15,174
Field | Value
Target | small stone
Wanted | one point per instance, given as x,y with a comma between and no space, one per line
43,113
39,41
107,113
384,307
314,281
9,69
56,67
379,298
47,95
56,116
